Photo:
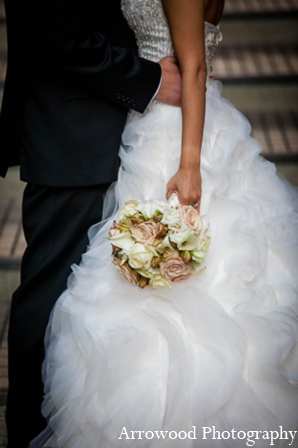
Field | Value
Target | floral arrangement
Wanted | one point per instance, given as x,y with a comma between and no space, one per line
155,243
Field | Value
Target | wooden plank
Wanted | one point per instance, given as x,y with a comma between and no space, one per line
256,62
256,6
276,132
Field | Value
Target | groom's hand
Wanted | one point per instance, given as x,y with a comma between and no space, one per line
170,89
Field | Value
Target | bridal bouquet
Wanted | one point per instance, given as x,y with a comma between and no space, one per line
155,243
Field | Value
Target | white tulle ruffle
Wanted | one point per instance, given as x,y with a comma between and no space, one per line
219,349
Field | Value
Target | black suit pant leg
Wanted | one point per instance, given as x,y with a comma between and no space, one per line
55,222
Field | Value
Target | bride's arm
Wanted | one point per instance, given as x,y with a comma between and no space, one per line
186,21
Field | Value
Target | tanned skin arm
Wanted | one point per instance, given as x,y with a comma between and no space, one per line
186,21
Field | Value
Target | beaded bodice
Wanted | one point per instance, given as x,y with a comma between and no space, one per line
148,21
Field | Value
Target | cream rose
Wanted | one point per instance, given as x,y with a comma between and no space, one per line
191,218
129,208
125,269
148,273
175,269
140,256
160,282
206,222
145,232
204,244
171,218
198,268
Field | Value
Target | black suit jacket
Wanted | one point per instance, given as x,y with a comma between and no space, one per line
72,75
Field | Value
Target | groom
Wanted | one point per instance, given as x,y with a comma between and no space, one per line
73,73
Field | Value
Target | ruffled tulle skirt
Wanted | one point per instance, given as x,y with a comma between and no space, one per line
217,351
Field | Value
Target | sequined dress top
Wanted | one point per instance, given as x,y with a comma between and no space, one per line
149,23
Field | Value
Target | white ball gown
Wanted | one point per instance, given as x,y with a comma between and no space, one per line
217,351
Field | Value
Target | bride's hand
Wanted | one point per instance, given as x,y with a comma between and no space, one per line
187,184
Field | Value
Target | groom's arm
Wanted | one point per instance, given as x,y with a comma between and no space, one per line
86,59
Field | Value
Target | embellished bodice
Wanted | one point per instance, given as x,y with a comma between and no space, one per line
149,23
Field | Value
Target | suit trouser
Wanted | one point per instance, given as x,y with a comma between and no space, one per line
55,222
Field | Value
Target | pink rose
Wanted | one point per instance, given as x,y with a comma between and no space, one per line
130,274
114,231
175,269
191,218
144,233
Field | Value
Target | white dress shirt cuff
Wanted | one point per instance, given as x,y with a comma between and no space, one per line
156,90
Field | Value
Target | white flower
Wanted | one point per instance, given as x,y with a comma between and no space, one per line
206,222
140,256
185,240
171,218
160,282
149,208
198,268
205,228
123,240
148,273
129,208
143,243
203,244
165,246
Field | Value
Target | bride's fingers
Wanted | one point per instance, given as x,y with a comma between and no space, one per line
183,199
188,199
171,191
196,204
171,188
188,191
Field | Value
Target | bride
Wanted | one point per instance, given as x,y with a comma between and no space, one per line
211,362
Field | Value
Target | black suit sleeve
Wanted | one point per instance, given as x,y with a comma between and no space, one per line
76,45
